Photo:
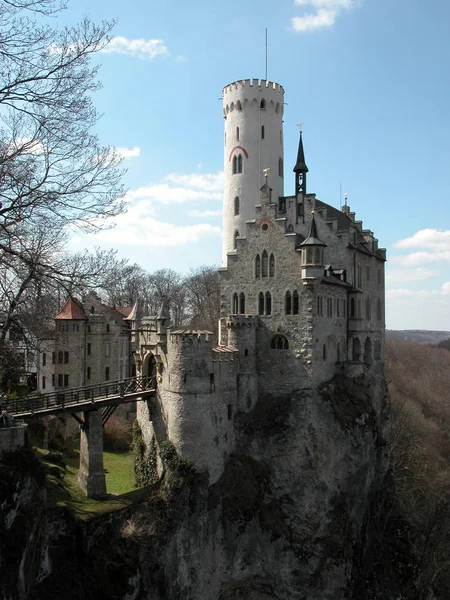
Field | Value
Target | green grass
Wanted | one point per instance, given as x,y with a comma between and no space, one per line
63,489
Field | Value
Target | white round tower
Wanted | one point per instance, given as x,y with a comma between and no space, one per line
253,115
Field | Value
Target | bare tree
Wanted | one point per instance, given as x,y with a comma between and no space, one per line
202,285
50,161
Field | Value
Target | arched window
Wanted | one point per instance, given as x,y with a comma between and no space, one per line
236,205
265,264
356,349
235,168
263,104
295,303
288,303
262,132
377,350
238,105
280,167
379,311
92,310
260,303
242,303
368,309
237,133
236,235
279,342
268,303
352,308
272,266
239,164
235,304
257,266
324,352
368,350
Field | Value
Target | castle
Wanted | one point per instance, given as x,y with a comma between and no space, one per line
302,295
302,299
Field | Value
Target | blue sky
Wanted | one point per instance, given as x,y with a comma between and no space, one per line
370,79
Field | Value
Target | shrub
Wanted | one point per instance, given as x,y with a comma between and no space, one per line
117,435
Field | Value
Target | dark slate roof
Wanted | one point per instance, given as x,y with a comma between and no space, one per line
300,165
313,237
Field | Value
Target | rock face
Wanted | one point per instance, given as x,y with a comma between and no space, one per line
296,515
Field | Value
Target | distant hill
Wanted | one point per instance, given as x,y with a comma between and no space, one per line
421,336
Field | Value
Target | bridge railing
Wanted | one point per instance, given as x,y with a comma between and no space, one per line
120,388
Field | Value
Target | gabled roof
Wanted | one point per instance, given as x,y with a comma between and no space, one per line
124,310
71,311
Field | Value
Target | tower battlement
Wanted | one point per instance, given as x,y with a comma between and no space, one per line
253,83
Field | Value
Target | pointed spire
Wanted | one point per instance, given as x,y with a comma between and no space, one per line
300,166
313,237
163,310
136,312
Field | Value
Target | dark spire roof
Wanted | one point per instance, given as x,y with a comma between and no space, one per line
300,166
313,237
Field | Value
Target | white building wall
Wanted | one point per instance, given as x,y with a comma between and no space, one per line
257,153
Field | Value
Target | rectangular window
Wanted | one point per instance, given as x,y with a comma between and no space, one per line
44,359
89,372
60,380
43,382
53,379
66,357
319,306
60,357
89,349
53,358
106,373
329,307
107,349
66,381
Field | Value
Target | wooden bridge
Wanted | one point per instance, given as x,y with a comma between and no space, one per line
82,399
91,406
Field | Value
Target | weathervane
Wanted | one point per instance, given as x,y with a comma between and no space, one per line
266,172
300,126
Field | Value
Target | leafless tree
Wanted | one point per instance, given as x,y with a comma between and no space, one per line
54,173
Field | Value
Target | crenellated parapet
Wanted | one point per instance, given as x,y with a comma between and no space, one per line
241,322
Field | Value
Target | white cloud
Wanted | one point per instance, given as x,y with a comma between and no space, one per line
187,188
424,309
330,4
139,227
426,238
420,258
140,48
205,213
397,276
129,152
325,15
180,58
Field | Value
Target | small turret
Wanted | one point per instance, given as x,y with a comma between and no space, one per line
312,253
162,320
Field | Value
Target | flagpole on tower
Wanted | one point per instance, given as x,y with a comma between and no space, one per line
266,53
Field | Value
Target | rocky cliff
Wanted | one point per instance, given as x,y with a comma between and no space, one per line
304,510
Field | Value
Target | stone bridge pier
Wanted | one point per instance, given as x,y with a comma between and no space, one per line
91,476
